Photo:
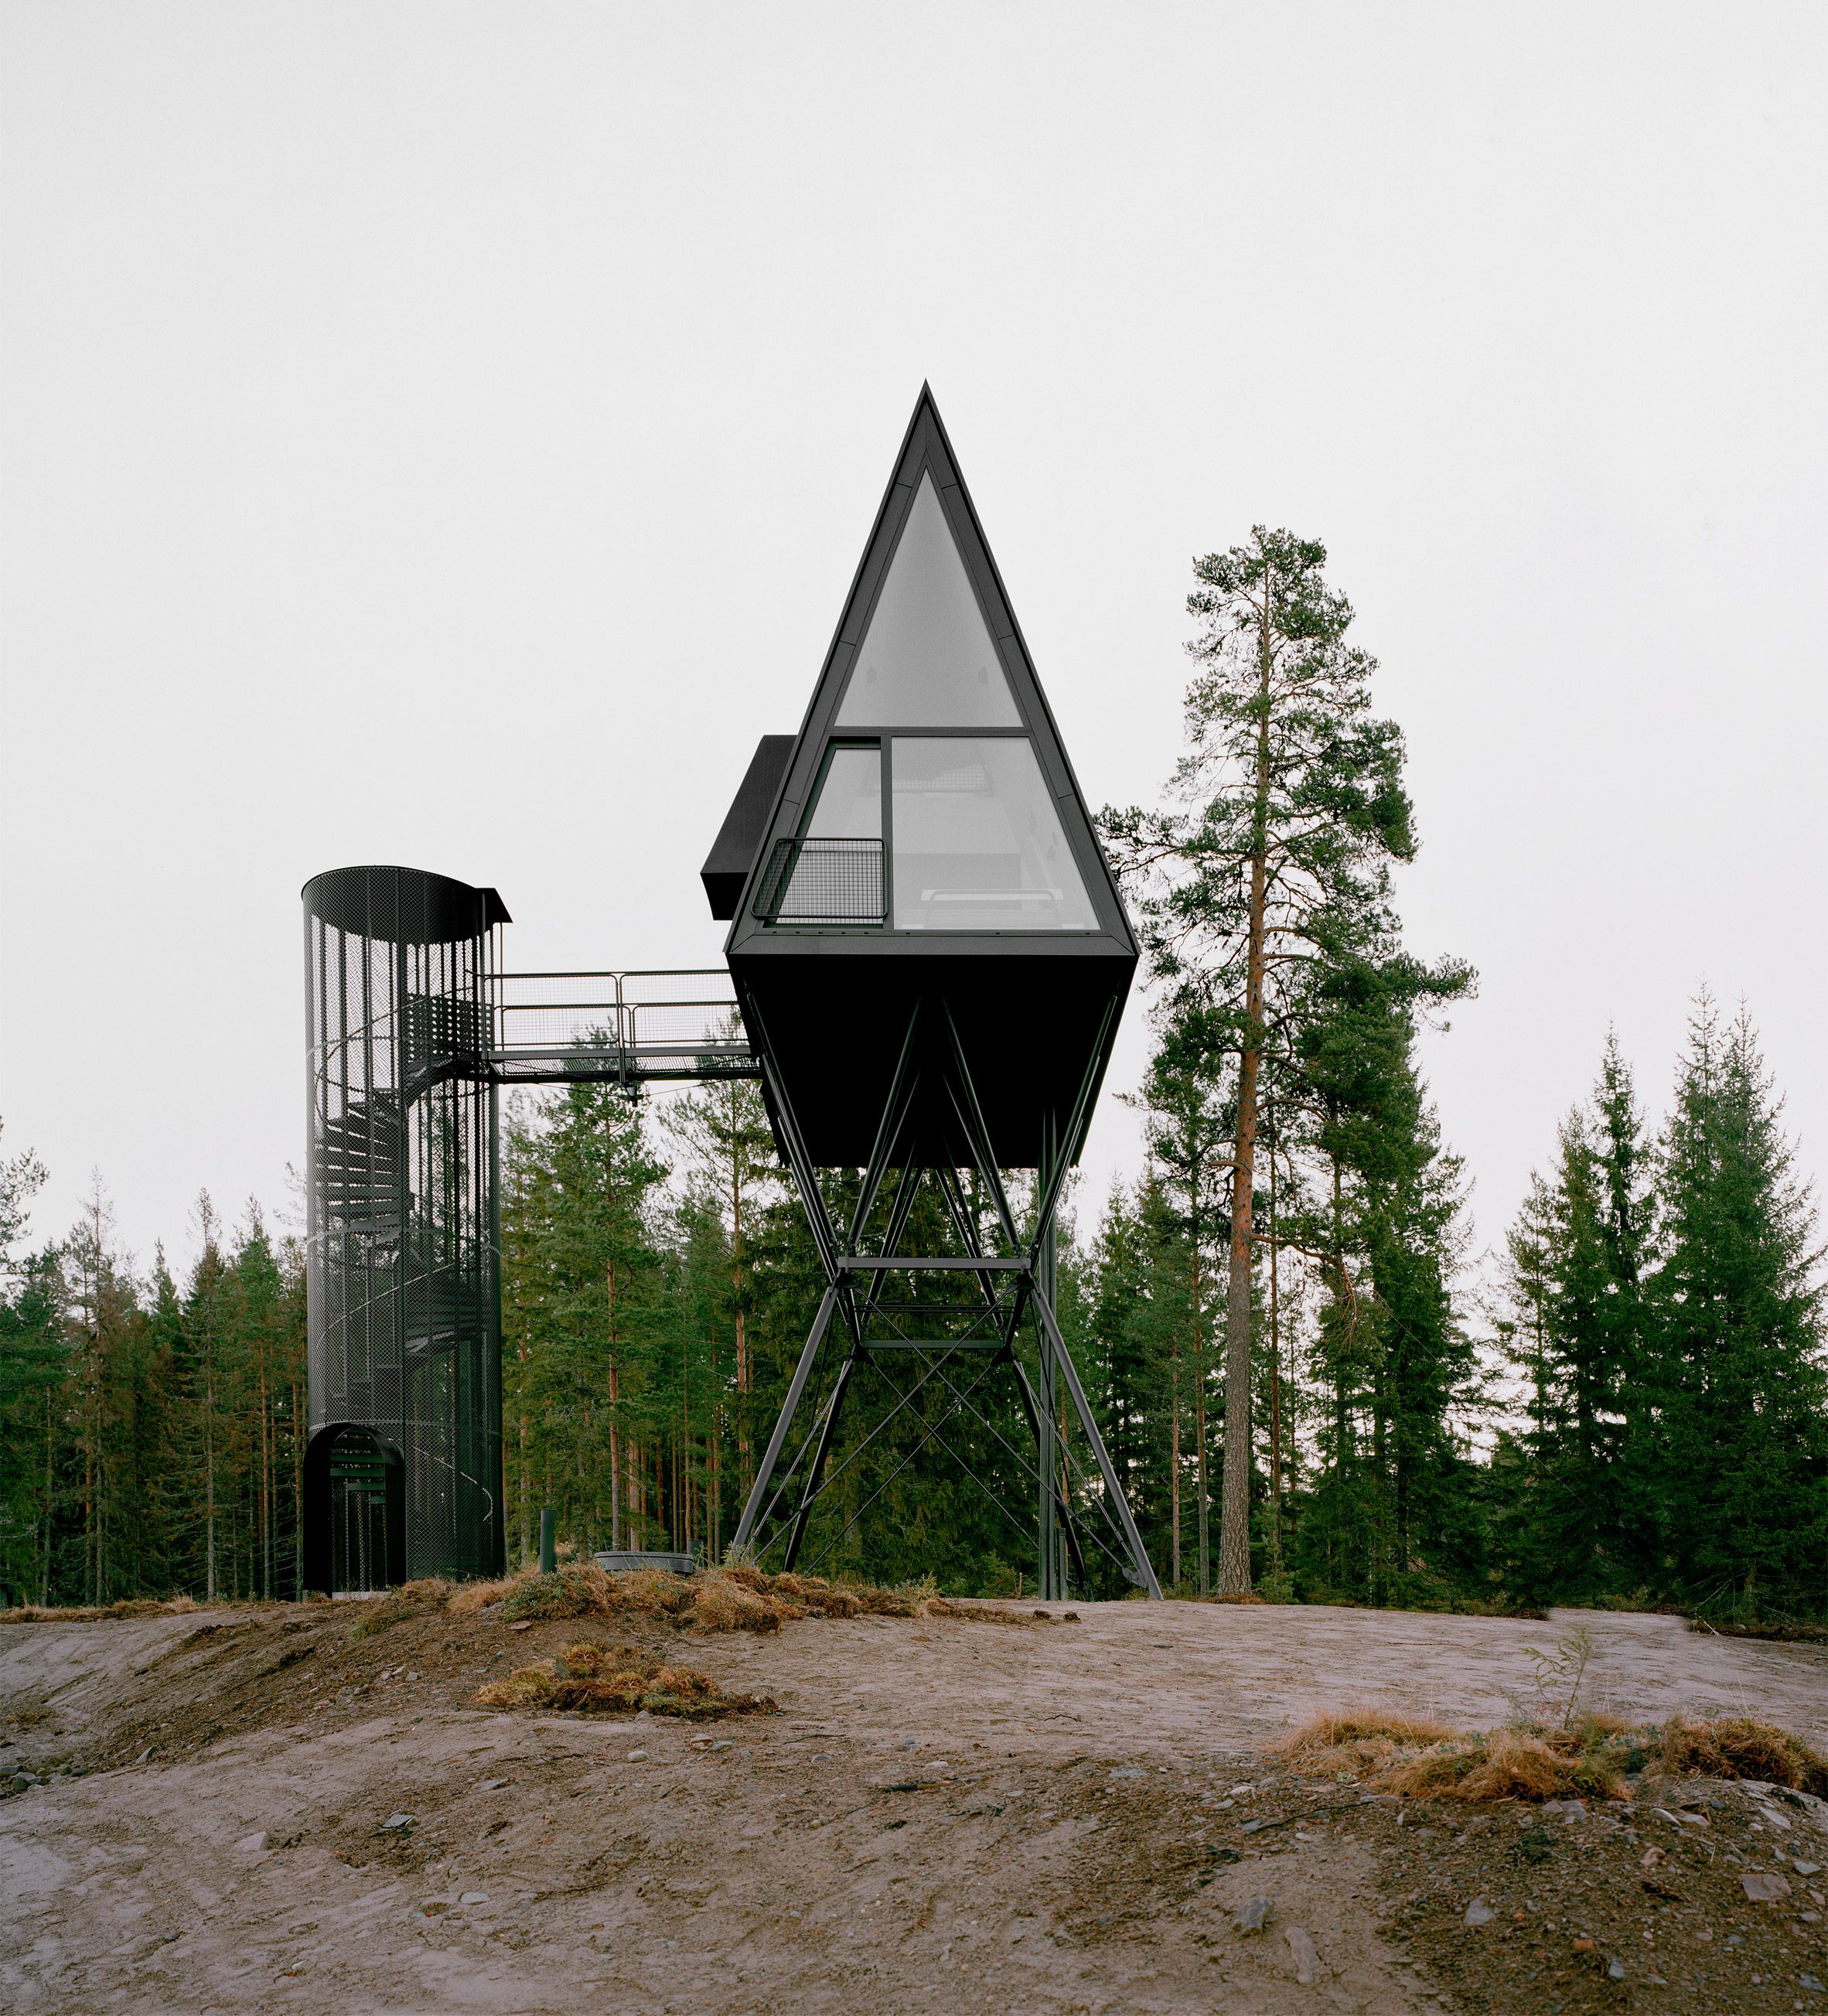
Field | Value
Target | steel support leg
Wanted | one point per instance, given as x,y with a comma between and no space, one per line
802,1372
1052,1340
1031,1414
902,1089
816,1473
1047,1456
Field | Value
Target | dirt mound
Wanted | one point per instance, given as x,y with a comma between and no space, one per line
310,1798
32,1613
618,1680
735,1599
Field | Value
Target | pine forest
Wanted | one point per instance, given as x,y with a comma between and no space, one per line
1316,1384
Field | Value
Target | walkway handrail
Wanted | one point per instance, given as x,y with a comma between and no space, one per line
627,1026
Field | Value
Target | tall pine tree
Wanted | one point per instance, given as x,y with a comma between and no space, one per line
1297,808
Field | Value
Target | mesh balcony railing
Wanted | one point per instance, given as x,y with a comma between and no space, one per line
823,882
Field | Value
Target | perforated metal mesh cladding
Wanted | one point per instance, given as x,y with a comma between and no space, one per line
403,1299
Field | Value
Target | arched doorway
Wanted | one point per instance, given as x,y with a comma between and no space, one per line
355,1510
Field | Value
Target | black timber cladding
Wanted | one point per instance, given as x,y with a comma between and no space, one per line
733,853
1032,1004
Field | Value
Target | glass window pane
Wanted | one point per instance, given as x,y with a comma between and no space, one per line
976,843
927,660
849,804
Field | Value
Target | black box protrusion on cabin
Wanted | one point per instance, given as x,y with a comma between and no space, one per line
732,855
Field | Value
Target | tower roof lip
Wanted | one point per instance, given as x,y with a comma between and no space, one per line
396,905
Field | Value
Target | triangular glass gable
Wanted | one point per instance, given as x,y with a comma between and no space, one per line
927,660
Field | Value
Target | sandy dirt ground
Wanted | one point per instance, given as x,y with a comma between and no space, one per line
249,1810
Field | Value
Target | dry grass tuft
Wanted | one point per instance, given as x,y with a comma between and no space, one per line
1734,1747
1359,1743
1418,1759
1509,1764
1323,1733
470,1597
726,1604
569,1591
591,1679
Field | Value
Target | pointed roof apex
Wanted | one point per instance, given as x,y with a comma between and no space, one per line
927,646
927,837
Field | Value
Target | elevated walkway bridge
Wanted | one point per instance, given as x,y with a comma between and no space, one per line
620,1028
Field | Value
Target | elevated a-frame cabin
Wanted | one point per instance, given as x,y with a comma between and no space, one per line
930,958
924,836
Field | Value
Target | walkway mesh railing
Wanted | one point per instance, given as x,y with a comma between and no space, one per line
627,1027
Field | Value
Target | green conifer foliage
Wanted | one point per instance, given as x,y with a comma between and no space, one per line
1297,810
1190,1132
1729,1433
32,1368
1576,1331
586,1384
1379,1222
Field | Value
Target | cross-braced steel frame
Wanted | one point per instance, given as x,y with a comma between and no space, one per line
931,1127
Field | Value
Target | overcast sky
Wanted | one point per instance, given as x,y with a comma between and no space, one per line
444,435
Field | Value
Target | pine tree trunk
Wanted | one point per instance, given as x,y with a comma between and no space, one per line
615,1464
297,1494
1234,1532
1201,1483
266,1505
209,1474
714,1509
1274,1389
1174,1473
44,1558
90,1562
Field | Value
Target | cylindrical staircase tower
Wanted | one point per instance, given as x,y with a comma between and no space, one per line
403,1469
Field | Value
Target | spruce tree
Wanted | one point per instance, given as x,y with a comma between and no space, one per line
1576,1330
1730,1439
205,1386
1121,1317
259,1317
1190,1131
724,1133
587,1376
1384,1226
33,1365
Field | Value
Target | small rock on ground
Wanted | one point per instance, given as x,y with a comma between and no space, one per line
1249,1917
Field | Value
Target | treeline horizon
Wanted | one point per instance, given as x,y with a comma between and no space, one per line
1629,1407
1637,1420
